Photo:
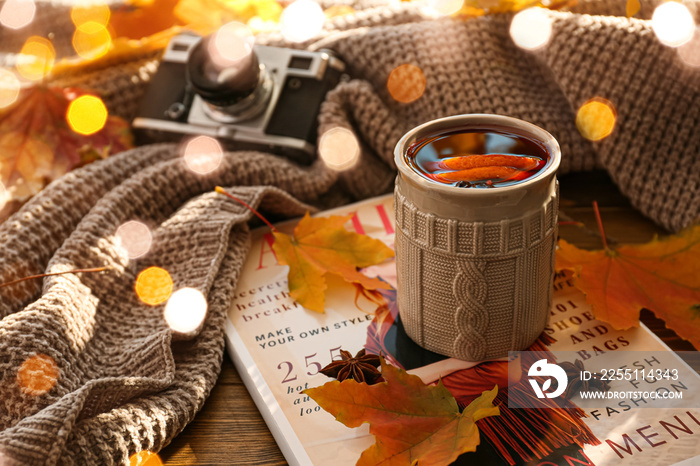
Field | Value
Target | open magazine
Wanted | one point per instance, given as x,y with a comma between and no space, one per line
278,348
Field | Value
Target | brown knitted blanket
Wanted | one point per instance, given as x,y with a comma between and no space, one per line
126,382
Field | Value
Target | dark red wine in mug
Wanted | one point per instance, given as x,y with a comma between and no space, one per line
480,158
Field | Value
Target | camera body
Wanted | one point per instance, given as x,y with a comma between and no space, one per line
277,113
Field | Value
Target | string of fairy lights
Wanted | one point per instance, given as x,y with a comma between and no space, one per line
185,308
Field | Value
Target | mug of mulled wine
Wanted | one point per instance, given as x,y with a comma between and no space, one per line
476,202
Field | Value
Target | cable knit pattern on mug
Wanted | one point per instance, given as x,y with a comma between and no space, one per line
470,291
511,255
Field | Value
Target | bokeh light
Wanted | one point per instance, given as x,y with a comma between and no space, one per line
301,20
37,374
690,51
596,118
446,7
339,148
87,114
98,13
406,83
36,59
4,197
136,238
9,88
145,458
632,7
203,154
185,310
16,14
531,29
91,40
231,43
673,24
154,286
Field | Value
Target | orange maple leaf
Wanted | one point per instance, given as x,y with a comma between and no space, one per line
139,19
322,245
662,276
37,144
412,422
136,20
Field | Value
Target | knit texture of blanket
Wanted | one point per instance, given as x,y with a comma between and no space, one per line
124,381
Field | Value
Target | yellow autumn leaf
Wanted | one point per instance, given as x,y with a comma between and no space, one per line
322,245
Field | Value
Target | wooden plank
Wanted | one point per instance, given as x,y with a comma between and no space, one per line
228,430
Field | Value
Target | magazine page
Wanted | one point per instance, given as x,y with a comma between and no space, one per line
288,344
631,434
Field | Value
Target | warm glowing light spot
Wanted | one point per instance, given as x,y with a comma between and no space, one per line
136,238
154,286
37,375
185,310
16,14
91,40
339,148
145,458
301,20
337,10
203,155
531,29
87,114
406,83
673,24
690,51
595,119
232,43
99,14
36,58
9,88
268,10
632,8
446,7
4,197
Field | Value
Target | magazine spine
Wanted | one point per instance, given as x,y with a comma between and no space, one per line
272,413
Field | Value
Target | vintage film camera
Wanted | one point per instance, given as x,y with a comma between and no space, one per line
267,99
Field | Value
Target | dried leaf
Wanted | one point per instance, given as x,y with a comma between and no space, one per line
136,20
473,8
141,19
662,275
412,422
37,145
120,51
205,16
322,245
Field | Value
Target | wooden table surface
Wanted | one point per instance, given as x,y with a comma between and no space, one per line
230,430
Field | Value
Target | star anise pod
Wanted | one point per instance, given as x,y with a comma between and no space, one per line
361,368
576,384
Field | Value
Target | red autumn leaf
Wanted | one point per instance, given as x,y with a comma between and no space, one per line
662,276
37,144
412,422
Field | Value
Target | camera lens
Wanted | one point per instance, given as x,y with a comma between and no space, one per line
224,70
